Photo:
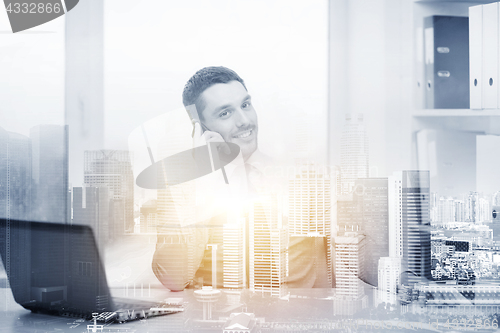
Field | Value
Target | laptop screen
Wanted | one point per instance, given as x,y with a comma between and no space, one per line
54,267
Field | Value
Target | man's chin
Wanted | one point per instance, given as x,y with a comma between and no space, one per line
247,148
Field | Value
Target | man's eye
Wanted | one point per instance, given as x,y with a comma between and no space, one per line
223,114
245,105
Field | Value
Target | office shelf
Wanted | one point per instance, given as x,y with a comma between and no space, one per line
479,2
377,67
456,113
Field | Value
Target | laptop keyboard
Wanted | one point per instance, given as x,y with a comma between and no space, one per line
134,310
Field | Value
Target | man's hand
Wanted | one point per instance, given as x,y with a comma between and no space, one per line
201,138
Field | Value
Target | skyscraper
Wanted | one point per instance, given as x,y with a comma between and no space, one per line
15,203
349,273
235,254
309,212
446,211
267,248
51,201
371,195
84,82
353,152
472,207
15,176
389,270
365,210
113,169
91,207
409,224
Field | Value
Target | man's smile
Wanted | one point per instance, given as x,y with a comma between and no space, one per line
244,134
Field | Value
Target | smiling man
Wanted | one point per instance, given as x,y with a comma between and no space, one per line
224,108
225,113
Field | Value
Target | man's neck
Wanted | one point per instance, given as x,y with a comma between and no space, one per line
258,159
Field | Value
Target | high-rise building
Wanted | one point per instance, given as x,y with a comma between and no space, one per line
484,210
149,217
433,208
495,201
371,196
409,225
349,274
113,169
234,254
353,152
309,212
446,211
84,82
267,248
365,210
50,191
91,207
348,214
15,176
15,203
459,210
472,207
389,271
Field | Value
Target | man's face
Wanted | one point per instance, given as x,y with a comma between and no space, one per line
229,112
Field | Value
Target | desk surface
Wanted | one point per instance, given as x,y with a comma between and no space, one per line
313,306
129,274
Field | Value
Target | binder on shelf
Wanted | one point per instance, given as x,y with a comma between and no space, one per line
476,55
446,57
490,56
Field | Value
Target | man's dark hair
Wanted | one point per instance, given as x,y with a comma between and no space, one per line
204,79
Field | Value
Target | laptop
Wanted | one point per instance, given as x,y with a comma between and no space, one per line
56,269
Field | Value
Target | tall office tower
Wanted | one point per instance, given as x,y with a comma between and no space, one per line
234,254
15,176
91,207
353,152
434,208
309,216
409,225
484,210
349,273
365,210
348,214
459,210
304,142
389,270
371,195
149,217
267,248
113,169
336,175
471,207
496,199
50,189
15,203
84,82
446,211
